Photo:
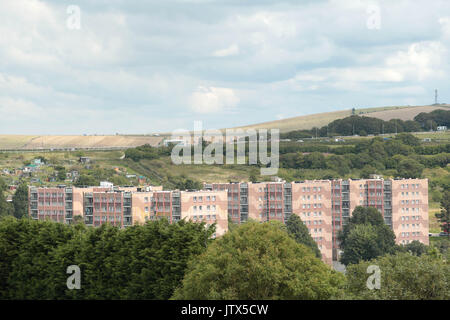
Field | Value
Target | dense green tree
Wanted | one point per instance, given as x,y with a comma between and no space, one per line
367,171
408,139
339,164
444,215
86,180
314,160
436,117
443,245
20,201
140,262
258,261
119,180
25,247
410,168
5,207
61,174
393,147
299,231
289,160
403,277
188,184
3,185
376,150
365,236
416,247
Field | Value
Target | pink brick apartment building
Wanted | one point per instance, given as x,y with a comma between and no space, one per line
326,205
124,207
323,205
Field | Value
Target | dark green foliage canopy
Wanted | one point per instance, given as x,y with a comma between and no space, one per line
147,152
410,168
416,247
299,231
20,201
365,236
140,262
5,207
444,215
437,117
259,261
403,277
86,180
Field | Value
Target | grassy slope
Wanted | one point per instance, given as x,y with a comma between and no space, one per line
285,125
321,119
67,141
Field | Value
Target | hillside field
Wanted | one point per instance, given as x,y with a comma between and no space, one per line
305,122
23,142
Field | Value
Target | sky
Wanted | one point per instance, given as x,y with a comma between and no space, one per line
133,66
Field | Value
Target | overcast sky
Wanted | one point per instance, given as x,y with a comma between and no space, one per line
138,66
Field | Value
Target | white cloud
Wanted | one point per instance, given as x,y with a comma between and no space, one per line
132,60
16,109
213,100
421,61
230,51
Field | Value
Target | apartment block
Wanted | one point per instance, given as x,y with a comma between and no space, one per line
206,206
52,203
125,206
323,205
326,205
311,201
409,201
96,205
267,201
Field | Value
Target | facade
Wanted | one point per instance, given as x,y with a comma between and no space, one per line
323,205
267,201
126,206
326,205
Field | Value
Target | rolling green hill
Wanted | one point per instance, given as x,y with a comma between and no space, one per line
307,122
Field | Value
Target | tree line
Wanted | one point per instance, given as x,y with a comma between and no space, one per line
19,205
363,126
399,155
253,260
